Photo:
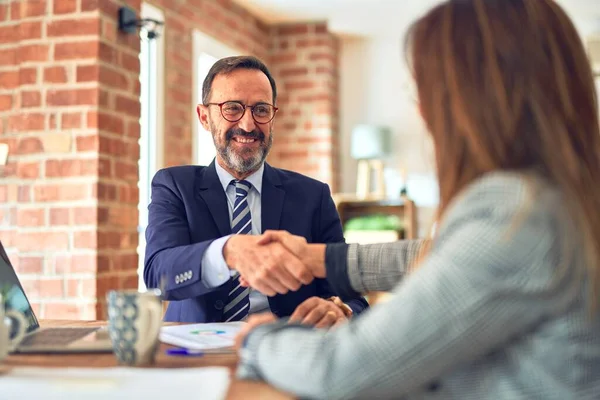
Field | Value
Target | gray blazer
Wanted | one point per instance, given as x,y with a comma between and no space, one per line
499,309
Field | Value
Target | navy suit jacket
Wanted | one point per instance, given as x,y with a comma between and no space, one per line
189,210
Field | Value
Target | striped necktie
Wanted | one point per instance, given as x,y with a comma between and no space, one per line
238,301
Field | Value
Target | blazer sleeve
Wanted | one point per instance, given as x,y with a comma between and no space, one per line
355,268
330,231
172,262
477,290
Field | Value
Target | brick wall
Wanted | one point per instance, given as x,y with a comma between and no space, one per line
69,111
69,88
304,61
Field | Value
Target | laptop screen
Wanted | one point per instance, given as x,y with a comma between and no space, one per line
13,295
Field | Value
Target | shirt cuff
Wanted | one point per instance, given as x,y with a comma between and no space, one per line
214,268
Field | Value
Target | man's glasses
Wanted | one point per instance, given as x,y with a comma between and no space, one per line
233,111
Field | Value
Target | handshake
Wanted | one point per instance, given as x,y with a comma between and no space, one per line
274,262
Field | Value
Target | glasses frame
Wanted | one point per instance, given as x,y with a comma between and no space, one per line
244,112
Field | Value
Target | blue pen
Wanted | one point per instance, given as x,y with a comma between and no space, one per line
184,352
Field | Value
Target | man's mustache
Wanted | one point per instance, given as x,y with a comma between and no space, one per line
255,134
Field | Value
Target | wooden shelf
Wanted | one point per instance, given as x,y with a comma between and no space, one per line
349,206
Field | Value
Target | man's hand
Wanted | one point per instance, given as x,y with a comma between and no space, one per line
269,268
318,312
312,255
254,321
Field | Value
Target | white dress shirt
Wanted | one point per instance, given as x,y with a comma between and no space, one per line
214,269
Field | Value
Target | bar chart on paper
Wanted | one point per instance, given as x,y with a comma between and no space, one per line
211,337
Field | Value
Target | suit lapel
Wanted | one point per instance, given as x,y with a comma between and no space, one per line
271,199
208,188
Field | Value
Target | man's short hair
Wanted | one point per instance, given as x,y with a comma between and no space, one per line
229,64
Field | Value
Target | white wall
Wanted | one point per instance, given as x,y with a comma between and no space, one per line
375,88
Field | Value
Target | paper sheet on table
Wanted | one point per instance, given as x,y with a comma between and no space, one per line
208,337
114,383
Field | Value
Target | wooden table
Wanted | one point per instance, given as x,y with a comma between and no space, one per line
237,390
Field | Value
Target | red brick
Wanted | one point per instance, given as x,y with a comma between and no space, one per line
87,73
31,217
322,56
70,120
61,192
32,98
5,102
85,215
27,122
24,194
76,50
59,216
55,310
284,58
87,143
75,263
28,170
27,76
55,75
81,288
113,78
67,168
33,8
64,7
30,30
9,79
128,106
129,62
107,53
321,28
85,239
52,288
74,27
106,192
104,168
3,11
34,241
133,129
33,52
111,123
293,71
89,5
67,97
8,34
31,265
8,56
292,30
299,85
103,263
15,11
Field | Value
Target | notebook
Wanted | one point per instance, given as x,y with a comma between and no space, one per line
209,337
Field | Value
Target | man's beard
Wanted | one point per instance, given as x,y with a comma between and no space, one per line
237,162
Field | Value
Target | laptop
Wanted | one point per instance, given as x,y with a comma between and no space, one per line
46,340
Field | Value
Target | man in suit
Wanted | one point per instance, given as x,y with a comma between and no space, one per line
204,222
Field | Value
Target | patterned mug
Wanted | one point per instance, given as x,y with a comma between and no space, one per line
18,324
134,322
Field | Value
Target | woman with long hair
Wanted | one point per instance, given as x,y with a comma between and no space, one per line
503,303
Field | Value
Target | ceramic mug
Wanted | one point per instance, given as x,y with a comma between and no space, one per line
134,322
10,320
